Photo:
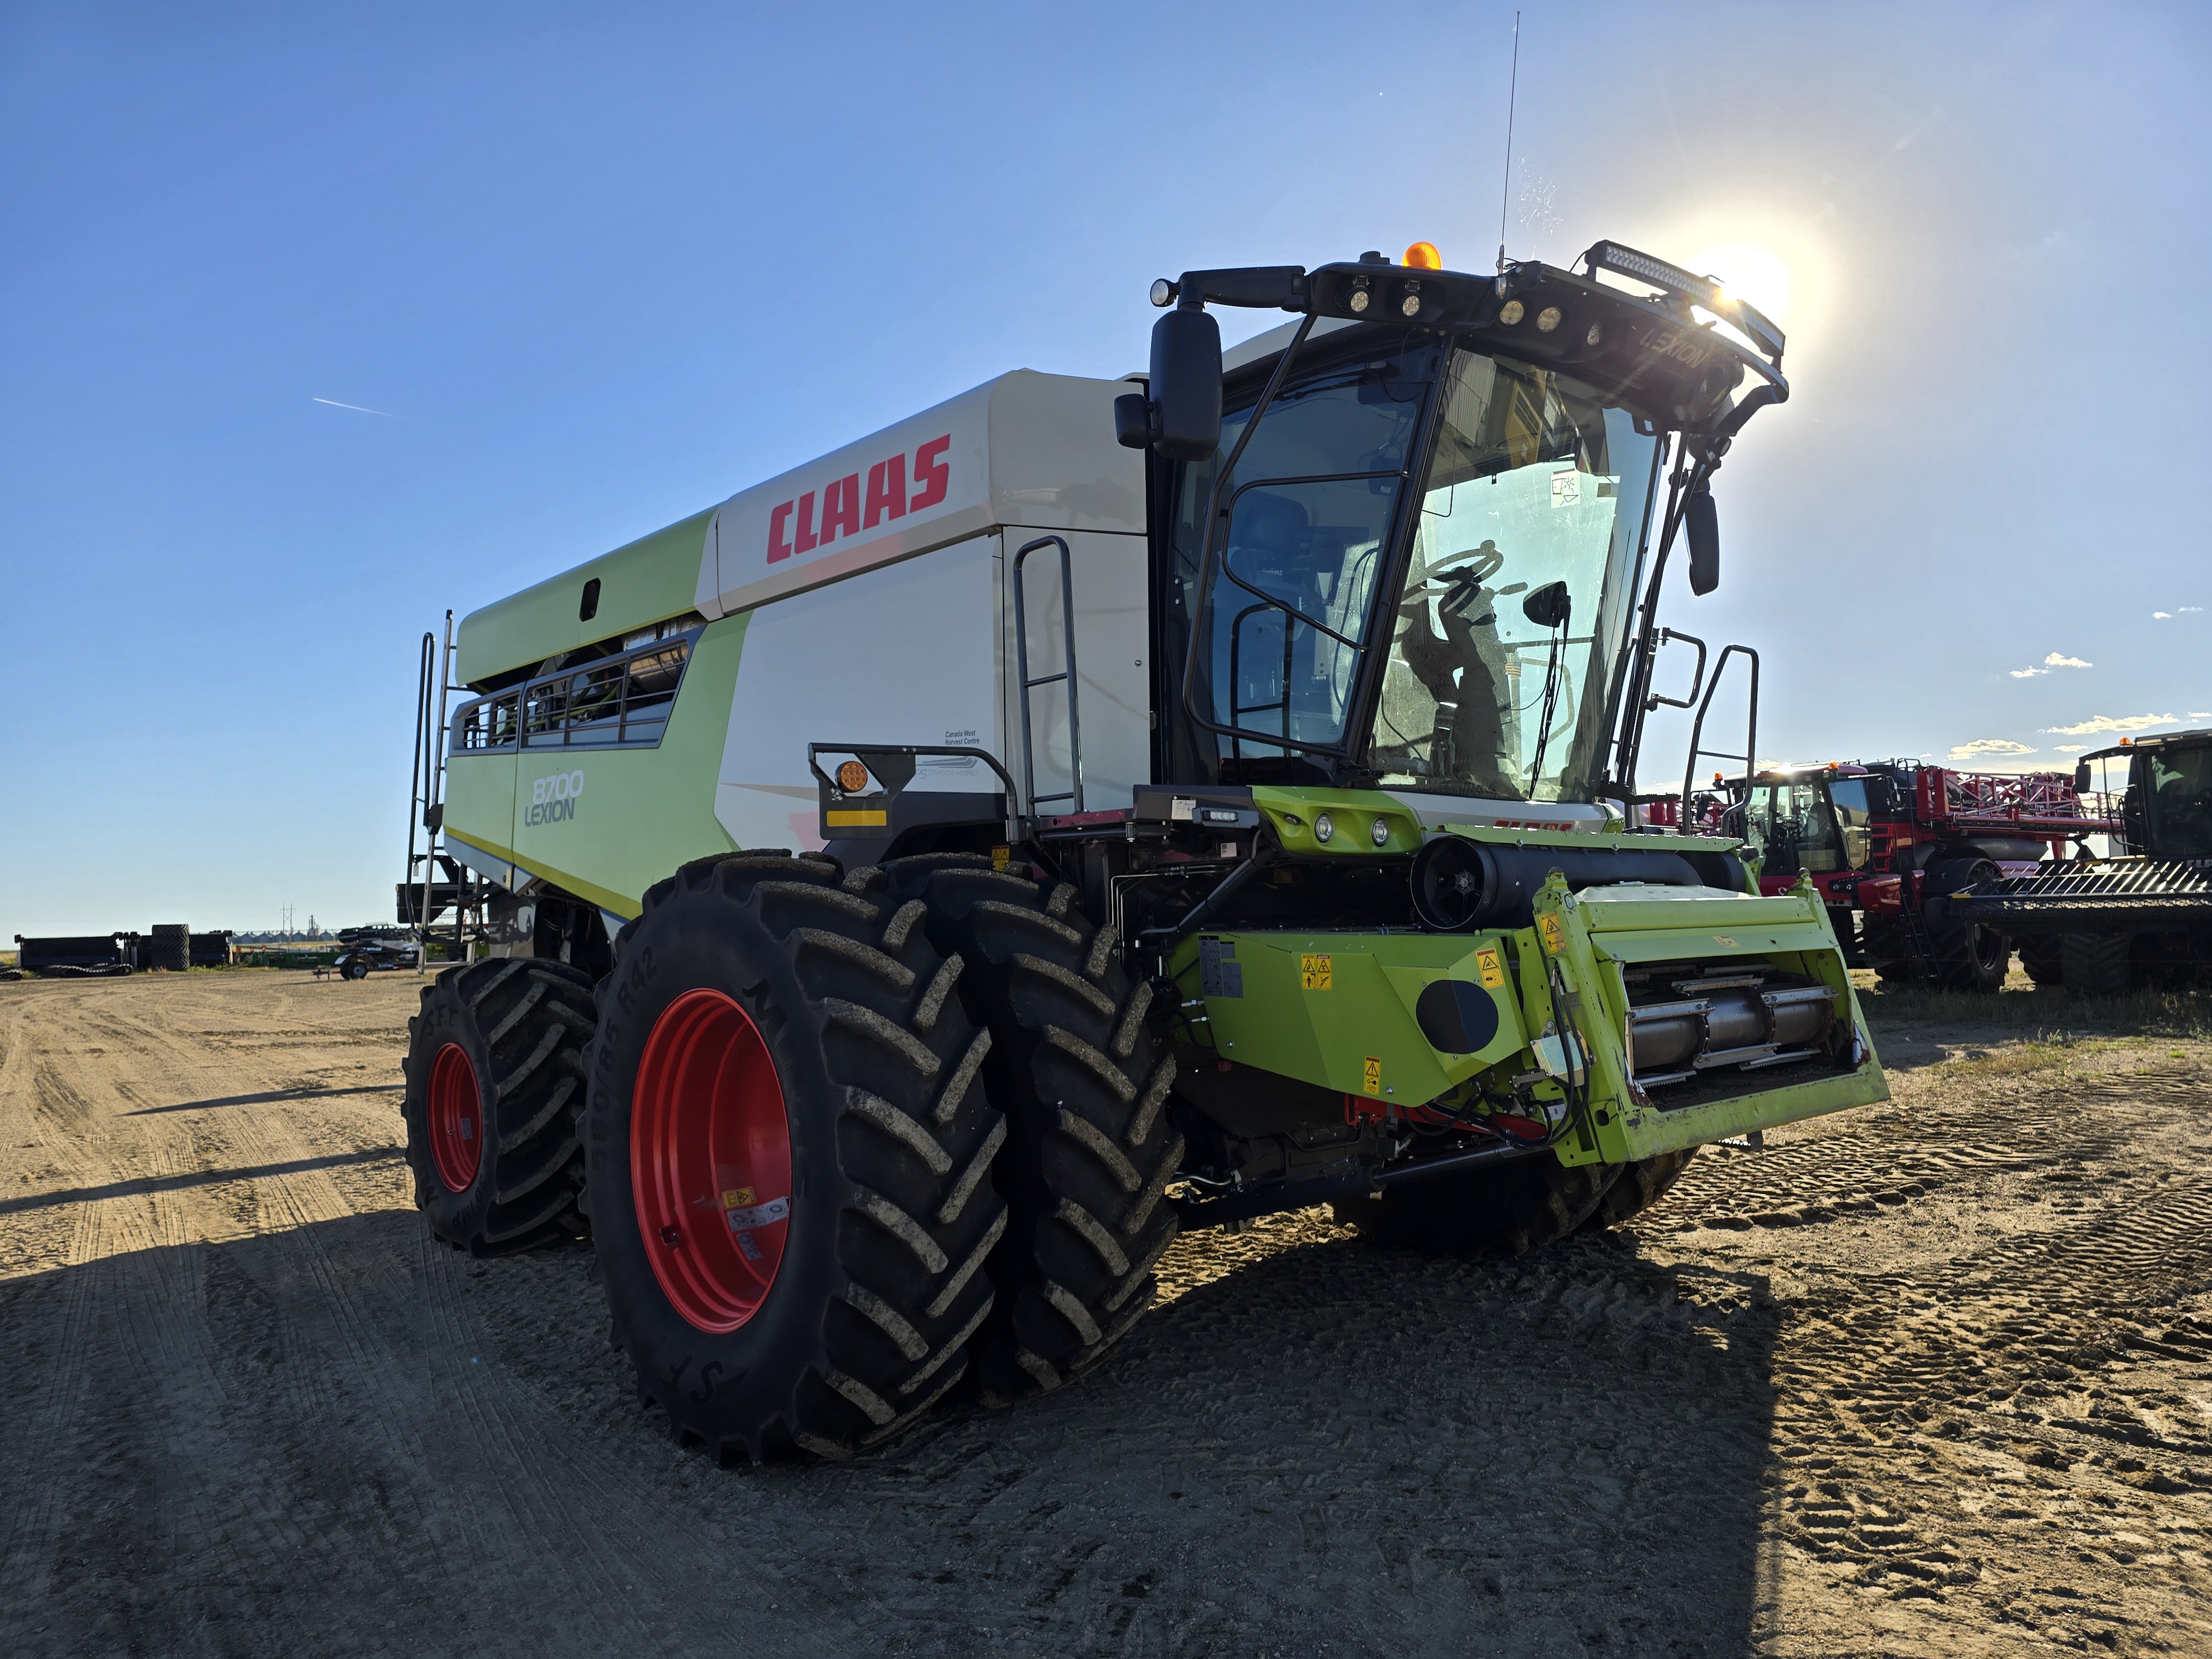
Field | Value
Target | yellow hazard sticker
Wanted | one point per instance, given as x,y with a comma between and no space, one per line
1723,938
738,1198
1555,935
1492,970
1371,1075
1315,973
1001,857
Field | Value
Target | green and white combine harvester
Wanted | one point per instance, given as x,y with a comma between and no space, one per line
1092,809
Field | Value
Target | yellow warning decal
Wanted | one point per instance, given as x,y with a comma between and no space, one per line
1492,970
875,819
1314,974
1555,935
1001,857
1723,938
738,1198
1371,1075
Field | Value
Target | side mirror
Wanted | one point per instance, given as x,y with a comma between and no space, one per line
1703,527
1549,605
1186,389
2080,777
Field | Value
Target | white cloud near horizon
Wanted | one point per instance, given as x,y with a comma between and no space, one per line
1984,747
2107,723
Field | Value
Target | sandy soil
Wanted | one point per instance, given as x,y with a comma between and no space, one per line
1933,1377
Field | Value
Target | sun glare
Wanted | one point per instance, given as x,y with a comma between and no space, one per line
1751,273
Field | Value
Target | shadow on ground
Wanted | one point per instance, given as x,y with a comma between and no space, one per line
341,1439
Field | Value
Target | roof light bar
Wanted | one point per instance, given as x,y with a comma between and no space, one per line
1627,262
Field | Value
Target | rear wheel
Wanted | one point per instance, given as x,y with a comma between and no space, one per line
1889,951
2097,964
1969,957
790,1159
495,1086
1640,1186
1506,1210
2041,957
1083,1081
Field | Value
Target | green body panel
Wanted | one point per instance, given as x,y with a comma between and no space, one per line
649,580
1336,1009
639,812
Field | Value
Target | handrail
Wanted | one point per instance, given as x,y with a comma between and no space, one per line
1697,726
1652,700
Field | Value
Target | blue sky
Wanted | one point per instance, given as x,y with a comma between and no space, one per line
600,267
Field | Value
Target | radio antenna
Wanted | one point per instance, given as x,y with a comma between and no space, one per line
1513,92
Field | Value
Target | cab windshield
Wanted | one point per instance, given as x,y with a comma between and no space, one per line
1302,551
1511,617
2180,801
1794,829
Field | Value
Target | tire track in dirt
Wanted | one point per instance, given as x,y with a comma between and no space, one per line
2006,1349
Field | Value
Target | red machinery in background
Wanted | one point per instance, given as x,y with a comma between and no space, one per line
1889,843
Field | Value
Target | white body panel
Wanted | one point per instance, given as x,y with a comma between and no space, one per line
1028,449
921,650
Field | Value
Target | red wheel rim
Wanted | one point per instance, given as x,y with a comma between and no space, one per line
710,1160
456,1118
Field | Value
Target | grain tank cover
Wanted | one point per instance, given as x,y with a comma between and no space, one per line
1030,450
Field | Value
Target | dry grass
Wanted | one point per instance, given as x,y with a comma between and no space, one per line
2023,1009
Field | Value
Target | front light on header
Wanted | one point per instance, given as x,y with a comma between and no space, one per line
1359,300
1512,313
1548,319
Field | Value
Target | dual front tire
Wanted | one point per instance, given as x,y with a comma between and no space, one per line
789,1152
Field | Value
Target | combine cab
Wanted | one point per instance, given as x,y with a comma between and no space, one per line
2143,917
1090,810
1888,844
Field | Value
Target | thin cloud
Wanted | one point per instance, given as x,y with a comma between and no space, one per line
356,408
2069,748
2108,723
1983,748
2186,610
2201,714
2056,659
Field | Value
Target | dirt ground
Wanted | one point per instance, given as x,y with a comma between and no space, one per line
1930,1377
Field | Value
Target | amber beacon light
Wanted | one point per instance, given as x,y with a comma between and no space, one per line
1423,255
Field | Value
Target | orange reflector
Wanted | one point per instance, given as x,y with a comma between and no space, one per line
1423,255
852,777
